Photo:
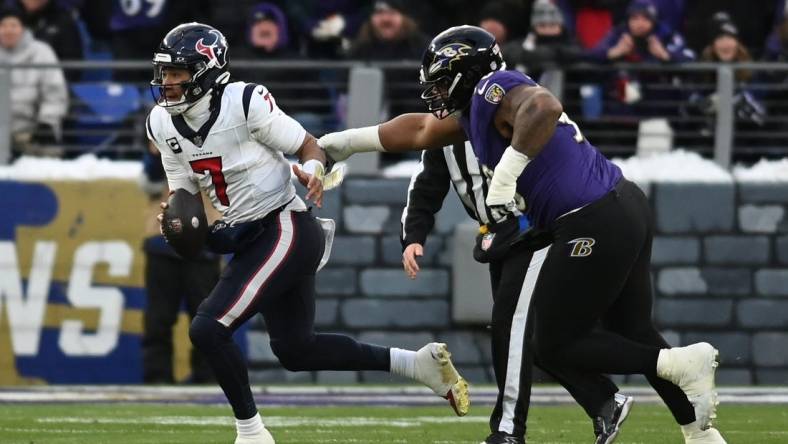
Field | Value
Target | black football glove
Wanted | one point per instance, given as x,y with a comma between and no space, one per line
495,240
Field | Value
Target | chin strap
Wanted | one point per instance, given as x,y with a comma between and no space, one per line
218,88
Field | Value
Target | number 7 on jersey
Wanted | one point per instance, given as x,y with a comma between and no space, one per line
213,166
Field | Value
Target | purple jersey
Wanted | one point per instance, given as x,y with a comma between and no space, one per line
137,14
569,172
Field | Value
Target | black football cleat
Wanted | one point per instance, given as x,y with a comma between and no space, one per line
606,427
503,438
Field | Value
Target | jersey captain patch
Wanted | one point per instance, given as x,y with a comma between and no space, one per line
494,94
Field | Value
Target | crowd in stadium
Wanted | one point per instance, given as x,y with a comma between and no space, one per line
532,34
399,29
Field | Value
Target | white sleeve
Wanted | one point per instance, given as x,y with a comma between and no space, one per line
177,174
270,126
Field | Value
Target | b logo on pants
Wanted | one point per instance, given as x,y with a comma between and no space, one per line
581,246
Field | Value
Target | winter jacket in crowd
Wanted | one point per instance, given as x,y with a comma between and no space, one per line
38,95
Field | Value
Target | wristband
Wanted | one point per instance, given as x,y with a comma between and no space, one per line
313,167
504,181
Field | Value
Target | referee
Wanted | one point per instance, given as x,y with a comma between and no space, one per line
512,360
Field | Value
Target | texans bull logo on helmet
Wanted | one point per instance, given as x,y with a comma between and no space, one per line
215,51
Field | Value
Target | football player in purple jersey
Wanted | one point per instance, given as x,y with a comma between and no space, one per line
596,271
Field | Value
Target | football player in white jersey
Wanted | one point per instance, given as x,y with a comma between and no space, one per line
229,139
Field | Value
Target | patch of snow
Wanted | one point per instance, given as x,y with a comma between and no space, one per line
674,166
85,167
763,171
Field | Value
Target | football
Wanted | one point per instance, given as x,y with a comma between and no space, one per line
185,225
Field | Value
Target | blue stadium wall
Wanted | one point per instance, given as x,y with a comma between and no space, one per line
71,296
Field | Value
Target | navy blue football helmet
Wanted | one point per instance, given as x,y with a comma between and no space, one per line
198,48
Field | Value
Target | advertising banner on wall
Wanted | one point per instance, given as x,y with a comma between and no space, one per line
71,283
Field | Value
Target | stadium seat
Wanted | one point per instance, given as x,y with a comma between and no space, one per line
95,50
101,111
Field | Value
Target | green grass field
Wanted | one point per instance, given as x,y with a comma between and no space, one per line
179,423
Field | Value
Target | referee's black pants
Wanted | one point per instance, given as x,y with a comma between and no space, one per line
169,283
597,272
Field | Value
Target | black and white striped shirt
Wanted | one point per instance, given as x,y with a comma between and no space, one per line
429,185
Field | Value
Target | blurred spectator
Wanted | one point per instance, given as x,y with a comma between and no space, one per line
170,283
266,38
499,18
267,34
53,25
39,97
755,19
725,47
389,35
548,44
327,26
642,38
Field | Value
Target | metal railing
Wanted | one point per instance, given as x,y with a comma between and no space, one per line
702,103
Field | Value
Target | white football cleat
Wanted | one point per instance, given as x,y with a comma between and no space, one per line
264,437
692,369
435,370
708,436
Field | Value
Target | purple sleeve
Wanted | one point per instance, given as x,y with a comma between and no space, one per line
490,90
487,95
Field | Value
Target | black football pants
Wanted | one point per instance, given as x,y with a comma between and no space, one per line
275,276
597,272
513,282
